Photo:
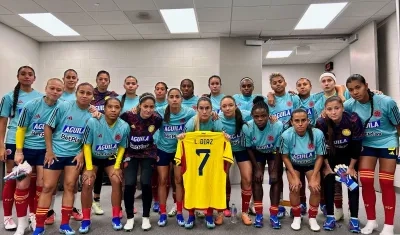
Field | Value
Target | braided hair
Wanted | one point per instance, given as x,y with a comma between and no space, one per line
17,88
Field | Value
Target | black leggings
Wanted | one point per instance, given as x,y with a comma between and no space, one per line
329,186
130,175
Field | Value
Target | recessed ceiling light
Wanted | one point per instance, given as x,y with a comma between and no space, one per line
318,16
180,20
278,54
49,23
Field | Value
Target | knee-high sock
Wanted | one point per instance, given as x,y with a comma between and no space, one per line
246,196
8,196
21,198
32,192
368,192
338,195
66,212
388,195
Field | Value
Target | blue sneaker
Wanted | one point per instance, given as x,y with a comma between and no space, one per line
303,209
180,220
156,207
322,207
281,212
210,222
38,231
163,220
85,226
66,229
190,222
258,221
275,223
330,223
116,223
354,225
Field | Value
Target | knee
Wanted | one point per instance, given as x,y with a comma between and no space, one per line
87,185
162,180
115,182
246,182
178,180
47,188
69,186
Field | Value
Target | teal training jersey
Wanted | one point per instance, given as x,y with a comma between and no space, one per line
210,125
68,96
68,121
168,131
229,125
216,102
104,139
284,106
161,104
265,141
246,102
309,105
129,103
34,116
191,103
380,131
300,150
6,107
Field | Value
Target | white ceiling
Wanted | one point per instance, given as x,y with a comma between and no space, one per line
117,20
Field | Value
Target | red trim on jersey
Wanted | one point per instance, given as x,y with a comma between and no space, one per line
183,159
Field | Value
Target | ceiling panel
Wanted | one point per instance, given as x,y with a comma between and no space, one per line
127,37
276,32
306,32
134,5
250,3
290,2
285,24
110,17
273,61
156,36
59,5
192,35
120,29
388,9
151,28
173,4
347,22
22,6
297,59
45,39
81,18
362,9
90,30
33,31
250,25
14,20
212,3
250,13
323,53
103,5
4,11
214,35
214,27
214,14
71,38
244,33
337,31
100,38
327,46
287,12
137,17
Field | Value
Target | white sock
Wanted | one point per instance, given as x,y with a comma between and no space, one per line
23,222
53,199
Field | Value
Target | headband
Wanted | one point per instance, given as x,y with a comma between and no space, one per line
246,78
327,75
147,96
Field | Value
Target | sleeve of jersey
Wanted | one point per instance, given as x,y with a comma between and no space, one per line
393,112
189,126
321,125
218,126
316,96
246,140
228,157
20,137
320,143
125,138
284,145
180,156
24,117
87,134
296,102
55,116
5,106
120,155
87,151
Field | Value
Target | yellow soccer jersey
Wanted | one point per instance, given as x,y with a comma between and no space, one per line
201,155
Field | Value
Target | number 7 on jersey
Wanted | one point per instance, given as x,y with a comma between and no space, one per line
205,159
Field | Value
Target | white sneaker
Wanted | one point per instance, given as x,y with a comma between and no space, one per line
146,226
314,224
32,218
387,230
173,211
97,208
339,214
22,225
369,227
9,223
296,224
129,225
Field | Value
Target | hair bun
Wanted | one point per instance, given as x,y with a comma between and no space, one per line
258,99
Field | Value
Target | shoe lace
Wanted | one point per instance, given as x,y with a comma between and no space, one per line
9,220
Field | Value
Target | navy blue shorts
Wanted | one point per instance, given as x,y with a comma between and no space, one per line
263,157
388,153
104,162
61,163
241,156
164,158
303,169
10,151
35,157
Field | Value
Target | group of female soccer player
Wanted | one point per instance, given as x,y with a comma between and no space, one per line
82,130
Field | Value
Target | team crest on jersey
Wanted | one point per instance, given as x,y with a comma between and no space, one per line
346,132
182,120
133,126
377,113
151,128
310,146
289,103
69,118
311,104
8,151
254,138
117,137
270,138
20,102
194,107
100,136
37,116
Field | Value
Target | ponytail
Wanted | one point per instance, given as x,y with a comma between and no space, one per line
167,114
310,133
17,88
238,121
371,101
196,123
123,100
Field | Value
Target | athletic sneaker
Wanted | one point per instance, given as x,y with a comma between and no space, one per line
258,221
77,214
180,220
163,220
156,207
227,212
97,208
146,226
85,226
210,222
32,220
172,212
9,224
190,222
219,219
22,225
116,223
330,223
66,229
281,212
354,225
38,231
51,216
246,219
129,225
275,223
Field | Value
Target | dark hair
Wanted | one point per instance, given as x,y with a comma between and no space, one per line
330,125
17,89
309,127
204,98
239,122
259,103
110,99
167,114
188,80
102,72
124,95
209,80
162,83
196,118
70,70
274,75
360,78
84,84
308,80
142,98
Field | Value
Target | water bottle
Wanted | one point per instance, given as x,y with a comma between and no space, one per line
233,214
